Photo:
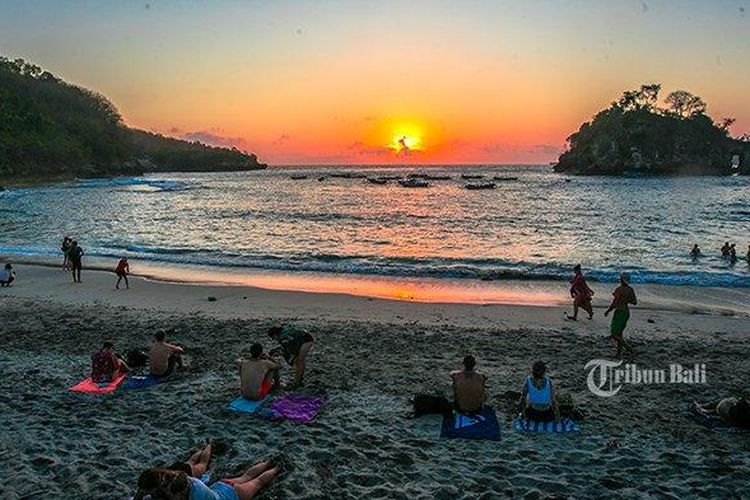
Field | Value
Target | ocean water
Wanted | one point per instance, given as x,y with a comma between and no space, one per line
533,227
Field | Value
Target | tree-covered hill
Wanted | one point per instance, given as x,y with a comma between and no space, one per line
50,129
635,136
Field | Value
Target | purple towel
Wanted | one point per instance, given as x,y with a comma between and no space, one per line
295,407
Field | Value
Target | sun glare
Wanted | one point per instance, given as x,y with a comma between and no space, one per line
406,139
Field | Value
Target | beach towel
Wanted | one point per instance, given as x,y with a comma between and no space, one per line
143,382
90,387
295,407
564,425
243,405
482,425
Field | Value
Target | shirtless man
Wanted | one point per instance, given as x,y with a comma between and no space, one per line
294,345
622,297
468,388
259,374
164,357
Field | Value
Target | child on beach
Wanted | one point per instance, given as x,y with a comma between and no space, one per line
581,294
468,388
122,270
7,276
538,398
623,296
105,365
177,485
259,374
294,346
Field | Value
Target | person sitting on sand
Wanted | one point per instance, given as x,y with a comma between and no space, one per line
75,255
177,485
295,346
65,248
734,412
105,365
623,296
581,294
7,276
259,374
725,250
122,270
695,252
538,398
468,388
164,358
197,464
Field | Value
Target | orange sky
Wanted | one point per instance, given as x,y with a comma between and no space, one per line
303,82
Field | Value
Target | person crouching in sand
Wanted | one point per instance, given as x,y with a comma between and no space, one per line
538,398
164,358
468,388
176,485
259,374
623,296
105,365
122,270
197,464
294,346
581,294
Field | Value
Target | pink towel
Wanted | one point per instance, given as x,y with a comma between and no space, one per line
91,387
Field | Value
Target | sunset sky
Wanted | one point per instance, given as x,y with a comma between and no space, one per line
321,82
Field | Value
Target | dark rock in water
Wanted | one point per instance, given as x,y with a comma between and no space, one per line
212,299
649,320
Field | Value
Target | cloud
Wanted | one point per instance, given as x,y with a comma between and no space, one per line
283,138
215,139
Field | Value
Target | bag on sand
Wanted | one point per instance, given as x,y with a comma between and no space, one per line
427,404
136,358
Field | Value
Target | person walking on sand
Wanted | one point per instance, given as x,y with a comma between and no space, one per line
164,358
7,276
623,296
65,248
294,346
177,485
122,270
75,255
538,398
581,294
468,388
106,365
695,252
259,374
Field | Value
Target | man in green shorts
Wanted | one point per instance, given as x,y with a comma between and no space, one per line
623,296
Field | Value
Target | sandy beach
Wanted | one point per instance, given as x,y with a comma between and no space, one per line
370,356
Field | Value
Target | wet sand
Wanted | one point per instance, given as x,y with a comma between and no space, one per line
370,356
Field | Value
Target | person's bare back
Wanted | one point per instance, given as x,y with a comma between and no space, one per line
253,374
468,390
158,359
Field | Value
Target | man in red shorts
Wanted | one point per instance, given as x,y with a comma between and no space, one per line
259,374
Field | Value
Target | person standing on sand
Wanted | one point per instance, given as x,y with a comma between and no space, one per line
75,254
294,346
623,296
65,248
581,294
164,358
106,365
695,252
259,374
733,254
468,388
122,270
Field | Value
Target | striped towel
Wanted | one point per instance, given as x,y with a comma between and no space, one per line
564,425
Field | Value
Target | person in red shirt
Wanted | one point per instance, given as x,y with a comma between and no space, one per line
581,294
122,270
105,365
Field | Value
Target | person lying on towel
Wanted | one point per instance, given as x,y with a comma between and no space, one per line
164,357
259,374
538,399
468,388
105,365
294,345
734,412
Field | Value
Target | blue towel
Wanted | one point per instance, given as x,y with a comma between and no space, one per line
483,425
243,405
564,425
141,382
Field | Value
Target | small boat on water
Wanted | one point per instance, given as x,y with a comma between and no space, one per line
472,176
500,178
298,177
480,185
414,183
377,180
